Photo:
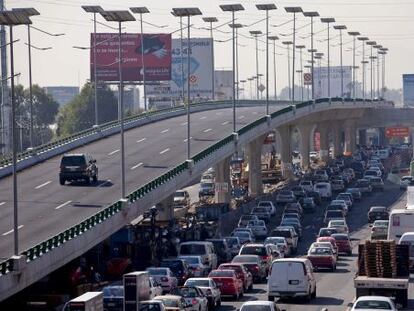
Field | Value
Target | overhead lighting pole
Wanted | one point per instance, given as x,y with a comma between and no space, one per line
341,45
267,8
318,56
294,10
212,20
384,51
312,50
363,62
273,39
243,88
120,17
233,8
11,19
187,12
378,47
142,10
372,43
288,44
237,27
328,22
300,48
354,34
256,34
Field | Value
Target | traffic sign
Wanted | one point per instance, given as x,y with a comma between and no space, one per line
261,88
400,131
307,78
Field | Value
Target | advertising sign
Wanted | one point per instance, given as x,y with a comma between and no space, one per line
157,57
397,131
408,89
321,81
201,61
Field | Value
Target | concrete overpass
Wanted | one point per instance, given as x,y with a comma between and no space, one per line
61,223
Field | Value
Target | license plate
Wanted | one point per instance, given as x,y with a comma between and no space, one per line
293,282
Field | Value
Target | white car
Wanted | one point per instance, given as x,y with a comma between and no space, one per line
164,277
259,305
280,242
306,185
405,182
258,227
193,296
339,225
155,288
209,288
195,264
372,303
269,205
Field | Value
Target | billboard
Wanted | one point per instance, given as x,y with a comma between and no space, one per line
157,57
201,63
400,131
321,81
408,89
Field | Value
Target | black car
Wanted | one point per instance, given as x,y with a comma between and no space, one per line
113,297
377,213
206,189
315,196
178,267
78,167
222,250
308,205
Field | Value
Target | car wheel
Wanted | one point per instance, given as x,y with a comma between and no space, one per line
271,298
95,178
333,268
88,180
251,286
242,292
62,181
236,296
219,303
314,294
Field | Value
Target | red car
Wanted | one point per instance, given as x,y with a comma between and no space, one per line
228,283
330,240
322,257
241,272
343,242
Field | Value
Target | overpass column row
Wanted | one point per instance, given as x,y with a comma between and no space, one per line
324,141
222,176
337,139
350,137
286,152
305,131
254,152
362,133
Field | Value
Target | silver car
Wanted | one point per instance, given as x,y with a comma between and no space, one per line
195,265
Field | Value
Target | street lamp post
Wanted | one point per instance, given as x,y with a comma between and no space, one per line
243,88
120,17
237,27
256,34
363,62
142,10
354,34
187,12
318,56
383,52
233,8
288,43
378,47
300,48
211,20
267,8
312,50
293,10
372,43
11,19
273,39
340,28
328,21
94,9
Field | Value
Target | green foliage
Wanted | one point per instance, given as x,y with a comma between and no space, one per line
79,114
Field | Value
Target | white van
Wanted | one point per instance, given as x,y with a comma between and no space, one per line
291,277
408,239
400,222
324,189
203,249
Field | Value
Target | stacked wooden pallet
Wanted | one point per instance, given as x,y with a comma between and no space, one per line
380,259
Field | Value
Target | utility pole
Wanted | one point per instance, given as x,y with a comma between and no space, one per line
5,112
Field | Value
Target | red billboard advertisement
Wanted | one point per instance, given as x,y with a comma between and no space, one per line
157,57
317,141
400,131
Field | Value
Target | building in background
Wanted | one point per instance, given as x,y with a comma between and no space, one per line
62,94
223,84
131,98
408,90
321,81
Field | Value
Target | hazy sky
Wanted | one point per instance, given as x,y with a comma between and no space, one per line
389,22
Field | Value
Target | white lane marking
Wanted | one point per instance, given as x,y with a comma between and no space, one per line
225,123
136,166
254,112
104,183
12,230
185,140
164,151
184,123
141,140
202,118
113,152
44,184
64,204
207,130
165,131
2,203
241,117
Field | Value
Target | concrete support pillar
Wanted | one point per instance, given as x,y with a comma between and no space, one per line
337,140
286,152
382,140
324,137
362,134
350,137
305,131
222,180
254,150
166,209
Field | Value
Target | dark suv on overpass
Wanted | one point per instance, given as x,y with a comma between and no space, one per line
78,167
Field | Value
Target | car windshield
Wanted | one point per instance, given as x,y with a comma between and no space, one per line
247,217
113,291
174,265
282,233
202,283
373,305
149,306
179,194
191,260
241,259
192,249
231,241
253,250
157,271
381,223
272,240
363,183
327,232
186,292
319,186
221,273
242,234
255,308
320,251
172,303
259,210
285,193
340,237
206,186
334,214
73,161
264,204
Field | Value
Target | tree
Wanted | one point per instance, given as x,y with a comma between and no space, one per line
79,114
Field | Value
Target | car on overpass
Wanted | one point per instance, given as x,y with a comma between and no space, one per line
75,167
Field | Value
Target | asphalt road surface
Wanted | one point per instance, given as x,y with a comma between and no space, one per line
47,208
335,290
